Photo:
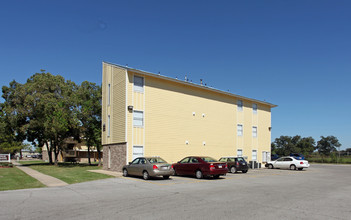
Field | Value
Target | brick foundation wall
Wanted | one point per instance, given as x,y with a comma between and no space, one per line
118,156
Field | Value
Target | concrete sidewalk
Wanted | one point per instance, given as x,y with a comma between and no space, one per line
111,173
43,178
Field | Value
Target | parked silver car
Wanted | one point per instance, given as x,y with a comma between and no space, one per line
148,167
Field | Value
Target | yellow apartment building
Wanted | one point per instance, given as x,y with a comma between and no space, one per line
147,114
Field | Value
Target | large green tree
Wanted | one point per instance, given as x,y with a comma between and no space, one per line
327,145
285,145
49,102
13,118
88,111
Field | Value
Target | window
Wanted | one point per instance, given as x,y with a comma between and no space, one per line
239,152
194,160
254,154
254,131
138,151
109,94
185,160
138,119
254,108
240,105
108,126
138,84
240,130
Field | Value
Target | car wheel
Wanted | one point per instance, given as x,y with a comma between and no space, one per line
165,177
146,175
270,166
292,167
198,174
300,168
125,172
233,169
244,171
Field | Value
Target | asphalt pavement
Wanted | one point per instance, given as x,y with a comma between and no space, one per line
319,192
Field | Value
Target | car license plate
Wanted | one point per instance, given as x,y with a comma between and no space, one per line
164,168
244,163
219,166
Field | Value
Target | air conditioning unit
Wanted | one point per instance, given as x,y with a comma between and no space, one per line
254,164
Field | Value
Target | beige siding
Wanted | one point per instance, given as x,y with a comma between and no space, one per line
117,109
212,131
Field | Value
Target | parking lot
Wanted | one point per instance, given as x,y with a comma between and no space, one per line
320,192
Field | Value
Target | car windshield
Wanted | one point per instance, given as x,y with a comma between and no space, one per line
156,160
223,159
208,159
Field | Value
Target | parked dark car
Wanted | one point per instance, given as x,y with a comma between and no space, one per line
200,167
148,167
235,164
274,156
297,156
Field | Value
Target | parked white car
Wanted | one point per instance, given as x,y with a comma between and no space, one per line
288,163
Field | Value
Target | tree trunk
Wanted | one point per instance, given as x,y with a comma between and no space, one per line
89,155
49,151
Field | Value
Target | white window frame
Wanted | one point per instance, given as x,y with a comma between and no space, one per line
254,155
135,155
136,119
240,130
254,108
138,88
240,105
254,131
241,152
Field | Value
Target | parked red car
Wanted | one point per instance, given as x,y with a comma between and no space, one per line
200,167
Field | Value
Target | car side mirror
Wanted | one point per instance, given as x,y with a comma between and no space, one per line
178,162
130,163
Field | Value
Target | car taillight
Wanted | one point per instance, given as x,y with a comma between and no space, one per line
212,167
154,167
226,166
237,163
172,166
301,162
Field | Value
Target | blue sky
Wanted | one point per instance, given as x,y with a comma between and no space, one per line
295,54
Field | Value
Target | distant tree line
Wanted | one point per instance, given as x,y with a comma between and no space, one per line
46,110
284,145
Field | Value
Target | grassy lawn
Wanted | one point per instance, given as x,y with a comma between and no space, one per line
13,178
69,173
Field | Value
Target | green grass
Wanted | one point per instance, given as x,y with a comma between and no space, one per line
13,178
70,173
330,159
32,162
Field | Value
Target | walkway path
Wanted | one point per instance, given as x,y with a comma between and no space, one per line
43,178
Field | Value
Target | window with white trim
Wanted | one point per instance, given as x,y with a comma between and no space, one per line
138,151
138,84
254,131
239,152
240,105
254,154
254,108
138,118
240,130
